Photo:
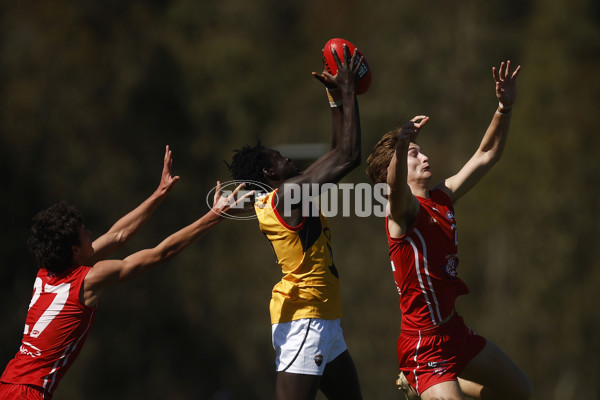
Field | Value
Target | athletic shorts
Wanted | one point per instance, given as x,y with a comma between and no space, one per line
305,346
437,355
12,391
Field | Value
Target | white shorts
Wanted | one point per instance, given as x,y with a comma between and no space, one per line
305,346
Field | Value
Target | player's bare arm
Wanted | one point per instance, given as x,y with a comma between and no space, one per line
402,204
112,272
345,153
336,96
128,226
492,145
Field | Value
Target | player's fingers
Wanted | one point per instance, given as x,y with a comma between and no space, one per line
347,55
353,58
336,57
318,77
237,189
245,196
514,74
327,75
356,65
217,191
422,123
325,79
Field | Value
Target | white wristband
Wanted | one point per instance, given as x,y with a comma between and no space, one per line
334,96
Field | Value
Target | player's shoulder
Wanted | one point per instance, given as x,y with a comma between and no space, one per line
442,194
263,200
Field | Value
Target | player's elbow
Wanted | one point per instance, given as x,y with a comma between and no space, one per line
120,238
493,159
341,163
488,159
351,161
492,154
352,164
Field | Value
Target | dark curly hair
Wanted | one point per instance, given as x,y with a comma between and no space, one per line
247,165
53,233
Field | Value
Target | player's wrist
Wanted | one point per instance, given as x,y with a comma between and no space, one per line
334,95
160,192
503,110
213,217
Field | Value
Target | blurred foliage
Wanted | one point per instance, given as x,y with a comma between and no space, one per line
91,92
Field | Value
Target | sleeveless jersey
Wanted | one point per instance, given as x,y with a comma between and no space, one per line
424,263
56,327
310,285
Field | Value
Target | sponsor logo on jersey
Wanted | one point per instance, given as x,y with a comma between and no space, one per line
31,351
451,267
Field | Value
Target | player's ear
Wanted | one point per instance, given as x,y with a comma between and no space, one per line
76,251
269,173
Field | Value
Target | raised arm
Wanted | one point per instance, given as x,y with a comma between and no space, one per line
345,152
112,272
127,227
492,145
402,205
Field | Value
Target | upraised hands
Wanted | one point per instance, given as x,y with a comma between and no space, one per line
411,129
228,205
506,90
167,181
347,73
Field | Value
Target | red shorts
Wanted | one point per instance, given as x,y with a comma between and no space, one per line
12,391
437,355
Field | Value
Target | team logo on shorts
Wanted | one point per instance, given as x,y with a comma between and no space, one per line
438,367
318,360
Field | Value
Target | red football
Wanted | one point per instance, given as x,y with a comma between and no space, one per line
364,73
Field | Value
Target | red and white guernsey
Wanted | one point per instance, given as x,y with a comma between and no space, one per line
424,263
56,327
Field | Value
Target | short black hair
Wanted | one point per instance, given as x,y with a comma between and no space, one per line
247,165
53,233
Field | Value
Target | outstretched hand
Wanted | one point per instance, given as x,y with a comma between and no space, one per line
167,181
411,129
227,205
347,73
506,90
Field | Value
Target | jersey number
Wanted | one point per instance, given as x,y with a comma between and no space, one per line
62,294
